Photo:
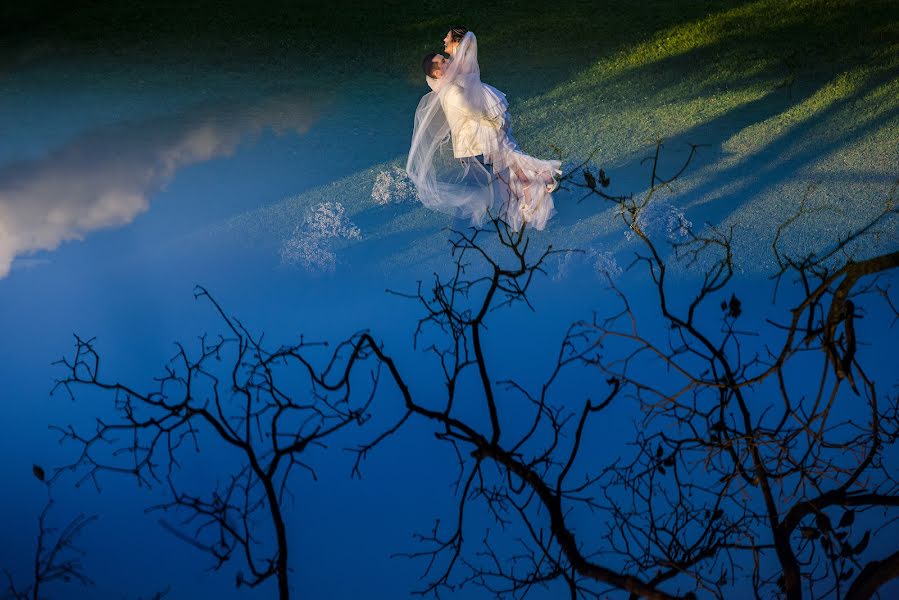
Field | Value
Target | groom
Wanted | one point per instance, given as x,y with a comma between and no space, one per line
470,117
463,118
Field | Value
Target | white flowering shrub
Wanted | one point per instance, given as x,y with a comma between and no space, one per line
602,262
329,220
310,247
677,225
660,215
566,260
309,253
393,186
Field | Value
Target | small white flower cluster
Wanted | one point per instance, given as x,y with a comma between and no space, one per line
329,220
660,214
308,253
678,225
564,266
310,245
603,263
392,187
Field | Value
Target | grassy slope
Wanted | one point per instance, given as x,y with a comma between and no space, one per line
789,96
786,93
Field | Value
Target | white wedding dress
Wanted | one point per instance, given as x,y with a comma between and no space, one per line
463,117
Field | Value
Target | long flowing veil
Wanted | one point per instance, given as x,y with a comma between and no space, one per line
461,188
446,180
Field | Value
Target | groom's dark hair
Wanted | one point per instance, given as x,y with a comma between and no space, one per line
427,64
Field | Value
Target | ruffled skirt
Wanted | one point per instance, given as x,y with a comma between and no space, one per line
523,184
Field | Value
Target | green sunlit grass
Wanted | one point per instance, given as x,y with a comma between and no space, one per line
785,93
690,73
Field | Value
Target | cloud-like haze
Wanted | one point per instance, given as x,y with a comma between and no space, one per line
105,178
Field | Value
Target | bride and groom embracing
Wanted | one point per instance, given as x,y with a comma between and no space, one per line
463,159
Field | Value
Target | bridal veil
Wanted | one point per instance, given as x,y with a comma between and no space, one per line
461,117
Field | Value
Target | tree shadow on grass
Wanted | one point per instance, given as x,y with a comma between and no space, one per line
791,116
791,152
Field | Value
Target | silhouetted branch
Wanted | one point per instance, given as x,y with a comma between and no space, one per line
245,409
731,462
57,558
759,457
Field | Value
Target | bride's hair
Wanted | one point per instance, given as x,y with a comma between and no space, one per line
458,33
427,64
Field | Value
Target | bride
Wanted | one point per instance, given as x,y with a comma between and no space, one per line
463,159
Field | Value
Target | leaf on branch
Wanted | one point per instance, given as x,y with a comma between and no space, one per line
589,179
847,519
39,473
860,547
603,180
823,522
734,307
